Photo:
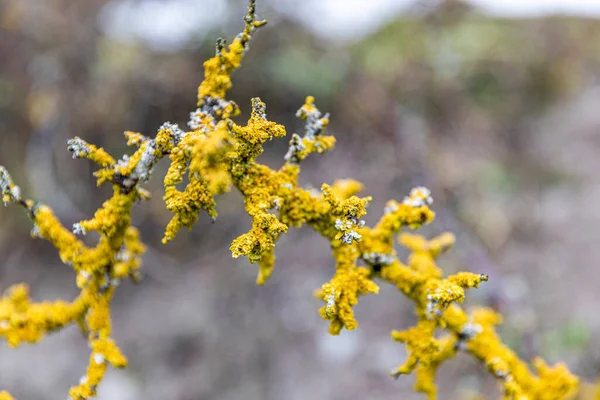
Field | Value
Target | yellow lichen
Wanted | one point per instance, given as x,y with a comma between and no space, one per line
217,155
426,353
6,396
342,291
134,138
98,270
217,70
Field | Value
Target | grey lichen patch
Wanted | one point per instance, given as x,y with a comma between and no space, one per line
10,191
314,121
259,109
211,111
350,237
296,147
419,197
78,229
346,227
175,132
378,259
79,147
314,124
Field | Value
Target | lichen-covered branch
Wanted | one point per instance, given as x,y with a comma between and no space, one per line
217,155
98,269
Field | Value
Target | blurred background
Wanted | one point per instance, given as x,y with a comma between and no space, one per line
494,105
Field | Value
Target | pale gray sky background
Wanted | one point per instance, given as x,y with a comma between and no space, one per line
166,25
